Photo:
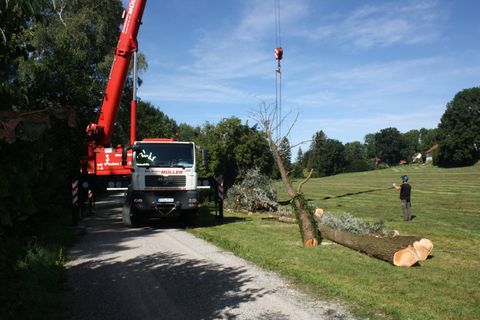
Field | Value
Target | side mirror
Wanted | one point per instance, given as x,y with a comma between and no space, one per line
136,148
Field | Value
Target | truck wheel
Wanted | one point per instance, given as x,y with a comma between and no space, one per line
126,218
129,217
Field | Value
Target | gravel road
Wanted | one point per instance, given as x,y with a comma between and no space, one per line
163,272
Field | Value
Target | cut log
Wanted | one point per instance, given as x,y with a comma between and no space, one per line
318,213
311,243
423,248
271,218
405,257
287,219
399,250
281,219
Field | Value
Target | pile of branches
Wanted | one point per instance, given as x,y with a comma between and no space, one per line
253,193
354,225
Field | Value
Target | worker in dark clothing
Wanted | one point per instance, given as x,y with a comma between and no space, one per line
405,191
217,184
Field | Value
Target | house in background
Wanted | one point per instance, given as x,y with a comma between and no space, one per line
417,157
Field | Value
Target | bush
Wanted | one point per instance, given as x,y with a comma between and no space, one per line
254,193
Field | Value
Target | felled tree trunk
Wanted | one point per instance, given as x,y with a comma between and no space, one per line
402,251
305,219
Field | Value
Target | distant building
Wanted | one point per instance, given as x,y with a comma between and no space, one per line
417,157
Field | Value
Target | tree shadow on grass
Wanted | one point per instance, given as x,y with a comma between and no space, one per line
159,286
353,194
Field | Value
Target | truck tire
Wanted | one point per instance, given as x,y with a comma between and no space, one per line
129,217
126,218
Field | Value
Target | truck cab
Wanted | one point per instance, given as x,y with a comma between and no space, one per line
164,181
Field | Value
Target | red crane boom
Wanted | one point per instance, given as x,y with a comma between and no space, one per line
102,159
101,132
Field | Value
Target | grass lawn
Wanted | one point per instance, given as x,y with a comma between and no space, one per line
32,276
446,206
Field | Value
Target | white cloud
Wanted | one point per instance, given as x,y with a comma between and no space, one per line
246,49
190,88
382,25
223,58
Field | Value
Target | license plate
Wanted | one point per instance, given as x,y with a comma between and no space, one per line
165,200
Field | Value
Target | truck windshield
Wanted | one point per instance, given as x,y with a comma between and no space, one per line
173,155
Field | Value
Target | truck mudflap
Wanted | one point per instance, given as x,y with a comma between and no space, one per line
163,203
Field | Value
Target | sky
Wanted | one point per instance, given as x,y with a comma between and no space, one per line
350,67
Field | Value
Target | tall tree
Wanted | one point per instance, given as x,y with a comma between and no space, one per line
298,164
153,123
411,144
356,157
286,153
234,148
459,130
326,156
188,133
370,145
313,155
305,219
389,144
428,137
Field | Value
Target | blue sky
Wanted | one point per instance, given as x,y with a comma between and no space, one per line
350,67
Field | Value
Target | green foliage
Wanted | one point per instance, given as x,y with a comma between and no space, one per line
286,155
233,149
31,268
428,137
370,145
326,156
354,225
356,157
253,193
389,144
459,130
188,133
411,141
153,123
54,62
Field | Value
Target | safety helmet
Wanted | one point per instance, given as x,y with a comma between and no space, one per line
404,178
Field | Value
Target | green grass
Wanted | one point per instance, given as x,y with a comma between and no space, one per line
446,206
32,273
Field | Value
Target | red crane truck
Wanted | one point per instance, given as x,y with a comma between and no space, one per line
159,174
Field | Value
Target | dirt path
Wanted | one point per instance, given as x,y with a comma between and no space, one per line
162,272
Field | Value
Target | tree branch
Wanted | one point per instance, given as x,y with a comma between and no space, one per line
304,181
59,13
4,37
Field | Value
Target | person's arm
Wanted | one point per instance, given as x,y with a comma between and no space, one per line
396,186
